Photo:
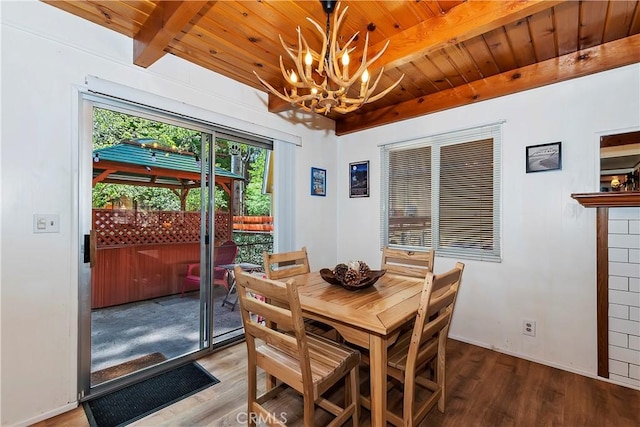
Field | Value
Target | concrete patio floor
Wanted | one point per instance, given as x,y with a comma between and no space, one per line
168,325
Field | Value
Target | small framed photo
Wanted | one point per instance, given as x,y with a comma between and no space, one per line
544,157
318,182
359,179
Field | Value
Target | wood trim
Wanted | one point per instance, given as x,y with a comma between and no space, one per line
577,64
602,289
612,200
619,139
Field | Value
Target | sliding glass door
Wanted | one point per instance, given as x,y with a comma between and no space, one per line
142,303
167,205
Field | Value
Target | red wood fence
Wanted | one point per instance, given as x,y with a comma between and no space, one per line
142,255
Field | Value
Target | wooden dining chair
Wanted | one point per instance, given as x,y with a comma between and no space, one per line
309,364
286,264
408,359
407,263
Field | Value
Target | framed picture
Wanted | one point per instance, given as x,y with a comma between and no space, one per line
318,182
359,179
544,157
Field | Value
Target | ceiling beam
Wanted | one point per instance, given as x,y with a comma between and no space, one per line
578,64
461,23
163,25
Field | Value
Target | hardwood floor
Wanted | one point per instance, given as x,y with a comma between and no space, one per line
484,388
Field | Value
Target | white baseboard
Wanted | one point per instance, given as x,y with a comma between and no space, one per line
543,362
47,415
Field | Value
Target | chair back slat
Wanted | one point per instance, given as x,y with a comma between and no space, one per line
273,337
445,280
260,286
434,312
280,315
407,263
438,302
286,264
434,326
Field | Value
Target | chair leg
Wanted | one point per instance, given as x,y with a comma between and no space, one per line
252,392
440,380
309,410
355,395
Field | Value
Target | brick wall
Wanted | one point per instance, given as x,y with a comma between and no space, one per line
624,295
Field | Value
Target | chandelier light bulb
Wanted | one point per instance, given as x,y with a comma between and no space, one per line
364,85
365,76
294,77
345,58
308,60
345,65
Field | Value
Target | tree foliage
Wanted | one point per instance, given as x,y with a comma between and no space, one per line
111,127
257,203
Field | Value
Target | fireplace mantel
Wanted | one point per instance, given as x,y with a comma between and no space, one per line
615,199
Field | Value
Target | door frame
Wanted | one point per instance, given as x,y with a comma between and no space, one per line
86,104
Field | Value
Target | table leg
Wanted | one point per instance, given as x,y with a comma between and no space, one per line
378,378
231,282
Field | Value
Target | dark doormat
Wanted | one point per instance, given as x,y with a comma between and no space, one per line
138,400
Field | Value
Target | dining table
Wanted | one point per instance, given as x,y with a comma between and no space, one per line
371,318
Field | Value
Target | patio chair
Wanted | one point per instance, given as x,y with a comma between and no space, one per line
223,255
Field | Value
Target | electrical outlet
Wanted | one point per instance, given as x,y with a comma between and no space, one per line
529,327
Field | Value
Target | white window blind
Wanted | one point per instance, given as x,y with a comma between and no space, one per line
443,192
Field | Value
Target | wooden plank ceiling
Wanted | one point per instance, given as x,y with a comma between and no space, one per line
452,53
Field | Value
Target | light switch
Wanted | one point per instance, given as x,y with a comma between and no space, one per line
46,223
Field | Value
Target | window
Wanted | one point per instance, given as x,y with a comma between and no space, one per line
443,192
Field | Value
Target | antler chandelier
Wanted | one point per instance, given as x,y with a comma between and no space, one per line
327,87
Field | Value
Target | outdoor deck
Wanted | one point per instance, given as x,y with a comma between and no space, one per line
166,327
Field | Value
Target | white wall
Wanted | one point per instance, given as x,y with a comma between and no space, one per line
548,270
45,53
549,252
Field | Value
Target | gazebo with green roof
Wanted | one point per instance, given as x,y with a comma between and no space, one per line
145,163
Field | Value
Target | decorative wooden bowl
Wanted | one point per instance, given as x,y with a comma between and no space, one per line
372,277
